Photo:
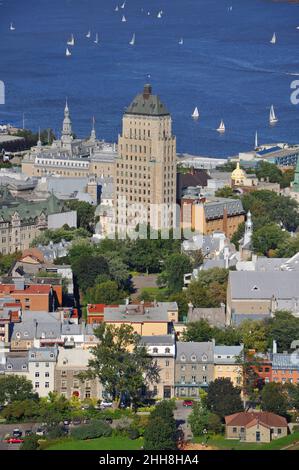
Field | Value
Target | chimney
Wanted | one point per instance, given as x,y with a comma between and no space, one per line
147,91
274,347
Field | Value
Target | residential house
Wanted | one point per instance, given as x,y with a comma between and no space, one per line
162,349
258,426
194,367
41,369
228,363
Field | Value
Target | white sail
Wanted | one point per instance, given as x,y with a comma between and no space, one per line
159,15
148,13
273,40
132,42
123,5
221,127
256,141
88,34
123,19
71,42
96,41
68,52
181,41
12,28
116,8
272,117
195,113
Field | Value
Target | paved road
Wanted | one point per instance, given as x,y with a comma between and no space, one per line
8,428
181,414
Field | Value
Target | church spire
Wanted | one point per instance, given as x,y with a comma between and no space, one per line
39,142
67,134
93,131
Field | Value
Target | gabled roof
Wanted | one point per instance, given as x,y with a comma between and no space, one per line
248,419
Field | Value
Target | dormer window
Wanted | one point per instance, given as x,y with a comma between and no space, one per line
155,350
183,357
9,366
24,367
204,357
255,288
51,355
167,350
32,355
193,357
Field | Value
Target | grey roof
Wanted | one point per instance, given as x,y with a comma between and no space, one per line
163,340
42,355
16,363
262,285
285,361
48,330
269,264
133,313
227,354
147,104
214,209
218,263
72,329
198,350
215,316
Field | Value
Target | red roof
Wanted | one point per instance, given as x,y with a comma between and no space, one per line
249,419
29,289
98,308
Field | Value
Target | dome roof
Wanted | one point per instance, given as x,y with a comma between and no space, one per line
238,173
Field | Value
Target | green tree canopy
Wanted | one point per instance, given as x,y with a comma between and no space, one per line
274,399
15,388
223,398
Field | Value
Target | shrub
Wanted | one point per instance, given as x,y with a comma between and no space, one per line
30,443
92,431
55,432
133,433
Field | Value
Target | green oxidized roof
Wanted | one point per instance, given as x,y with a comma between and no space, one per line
27,210
147,104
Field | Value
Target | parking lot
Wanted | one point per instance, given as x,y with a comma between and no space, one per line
8,429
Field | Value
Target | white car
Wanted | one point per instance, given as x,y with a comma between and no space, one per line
106,404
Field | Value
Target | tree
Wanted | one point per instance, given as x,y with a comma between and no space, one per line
121,363
199,418
209,289
284,328
267,238
85,214
226,191
15,388
173,275
160,435
223,398
198,331
274,399
105,293
288,248
254,335
6,262
30,443
87,267
238,234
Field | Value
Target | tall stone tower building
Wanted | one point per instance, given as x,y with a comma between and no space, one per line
146,165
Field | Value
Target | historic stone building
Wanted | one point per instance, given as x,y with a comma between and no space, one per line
21,221
146,164
71,157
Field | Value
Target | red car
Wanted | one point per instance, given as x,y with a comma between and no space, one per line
187,403
14,440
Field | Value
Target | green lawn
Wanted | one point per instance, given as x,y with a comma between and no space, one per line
221,443
102,443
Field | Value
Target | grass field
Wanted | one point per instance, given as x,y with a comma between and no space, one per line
102,443
219,442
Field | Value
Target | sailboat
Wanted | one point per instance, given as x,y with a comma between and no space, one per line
159,15
12,28
88,34
195,113
96,41
116,8
71,42
221,127
272,118
132,42
256,141
181,41
68,52
123,5
123,19
273,40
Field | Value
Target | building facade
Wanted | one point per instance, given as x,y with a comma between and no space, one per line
146,165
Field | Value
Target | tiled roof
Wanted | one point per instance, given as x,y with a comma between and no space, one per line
245,419
202,352
147,104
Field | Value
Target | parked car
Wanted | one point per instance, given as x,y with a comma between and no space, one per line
17,433
14,440
106,404
76,422
40,432
187,403
66,422
28,432
108,420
